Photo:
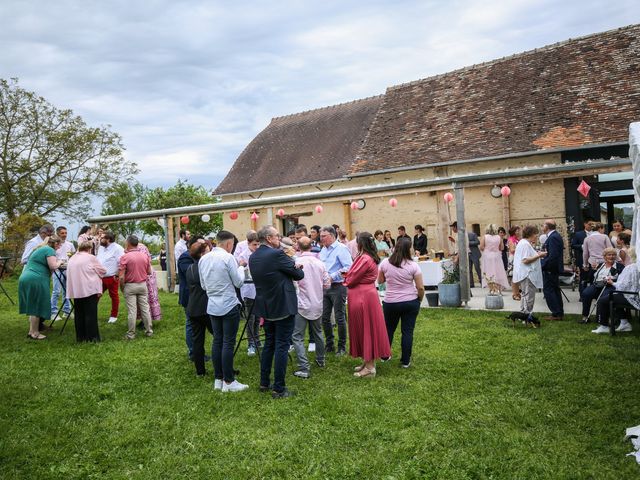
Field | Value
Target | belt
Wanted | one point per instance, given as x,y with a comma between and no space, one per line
333,284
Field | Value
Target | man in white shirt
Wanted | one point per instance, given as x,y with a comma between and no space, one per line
60,276
220,275
243,246
109,254
44,232
310,301
181,245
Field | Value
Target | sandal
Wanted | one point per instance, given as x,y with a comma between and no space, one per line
365,372
516,297
358,368
37,337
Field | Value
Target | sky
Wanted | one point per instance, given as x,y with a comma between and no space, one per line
188,84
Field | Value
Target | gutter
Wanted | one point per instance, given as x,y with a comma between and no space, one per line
362,190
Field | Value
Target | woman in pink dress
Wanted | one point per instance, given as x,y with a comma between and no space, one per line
152,288
367,331
492,267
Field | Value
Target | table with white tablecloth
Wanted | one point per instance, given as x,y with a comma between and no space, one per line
432,273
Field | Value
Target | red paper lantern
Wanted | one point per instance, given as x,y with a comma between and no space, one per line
280,212
233,215
254,216
448,197
318,208
505,191
393,202
584,188
354,205
184,220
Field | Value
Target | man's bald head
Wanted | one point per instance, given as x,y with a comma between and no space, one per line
304,244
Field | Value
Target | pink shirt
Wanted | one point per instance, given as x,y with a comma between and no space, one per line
84,276
352,245
400,281
311,287
136,266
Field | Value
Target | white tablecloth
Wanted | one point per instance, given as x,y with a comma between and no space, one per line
432,273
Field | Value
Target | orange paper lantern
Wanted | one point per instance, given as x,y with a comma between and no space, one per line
233,215
184,220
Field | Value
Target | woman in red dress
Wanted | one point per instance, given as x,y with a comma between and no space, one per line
368,337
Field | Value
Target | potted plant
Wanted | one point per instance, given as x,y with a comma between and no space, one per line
449,288
493,300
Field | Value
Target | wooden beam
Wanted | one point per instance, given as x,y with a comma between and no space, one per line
463,244
506,212
346,210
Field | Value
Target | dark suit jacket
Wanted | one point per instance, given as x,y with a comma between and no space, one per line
420,243
273,274
198,300
474,249
554,261
576,246
184,262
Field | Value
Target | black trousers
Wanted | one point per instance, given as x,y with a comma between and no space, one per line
552,294
603,308
474,264
404,313
86,319
199,325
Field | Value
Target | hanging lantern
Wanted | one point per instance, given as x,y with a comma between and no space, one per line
280,212
318,208
255,216
233,215
448,197
393,202
505,191
584,188
205,218
184,220
354,205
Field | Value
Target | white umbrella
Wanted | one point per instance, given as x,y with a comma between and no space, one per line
634,155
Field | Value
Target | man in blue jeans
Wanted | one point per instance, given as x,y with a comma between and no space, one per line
276,301
220,275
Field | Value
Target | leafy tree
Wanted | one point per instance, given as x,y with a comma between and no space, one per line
51,161
182,194
125,197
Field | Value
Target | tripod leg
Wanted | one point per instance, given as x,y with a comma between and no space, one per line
67,318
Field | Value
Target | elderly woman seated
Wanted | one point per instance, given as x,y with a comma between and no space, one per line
603,281
628,281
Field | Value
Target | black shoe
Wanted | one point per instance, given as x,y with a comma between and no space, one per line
283,394
264,389
321,364
583,321
341,352
329,349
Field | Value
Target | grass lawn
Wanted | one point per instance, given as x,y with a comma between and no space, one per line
481,400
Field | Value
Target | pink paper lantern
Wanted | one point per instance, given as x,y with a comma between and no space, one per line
505,191
584,188
184,220
354,205
233,215
319,209
254,216
393,202
448,197
280,212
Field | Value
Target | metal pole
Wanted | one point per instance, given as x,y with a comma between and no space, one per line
463,244
169,257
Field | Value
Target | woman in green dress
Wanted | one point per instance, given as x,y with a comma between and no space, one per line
33,287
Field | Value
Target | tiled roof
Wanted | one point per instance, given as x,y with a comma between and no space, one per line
305,147
578,92
574,93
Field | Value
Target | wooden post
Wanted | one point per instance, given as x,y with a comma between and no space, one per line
442,230
168,248
506,213
346,209
171,258
463,244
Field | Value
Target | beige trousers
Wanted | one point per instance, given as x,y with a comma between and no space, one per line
136,296
528,295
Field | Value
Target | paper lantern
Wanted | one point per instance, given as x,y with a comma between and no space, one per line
184,220
505,191
448,197
354,205
318,208
255,216
584,188
393,202
280,212
205,218
233,215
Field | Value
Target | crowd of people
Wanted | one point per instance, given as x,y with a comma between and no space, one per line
305,283
82,276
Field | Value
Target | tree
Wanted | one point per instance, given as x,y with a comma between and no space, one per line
182,194
51,161
125,197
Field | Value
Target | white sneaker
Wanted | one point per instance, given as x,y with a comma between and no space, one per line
291,349
251,351
312,347
624,326
112,320
217,384
234,386
601,329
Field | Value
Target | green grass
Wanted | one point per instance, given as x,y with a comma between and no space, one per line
482,400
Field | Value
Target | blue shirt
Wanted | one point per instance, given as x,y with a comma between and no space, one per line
336,257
